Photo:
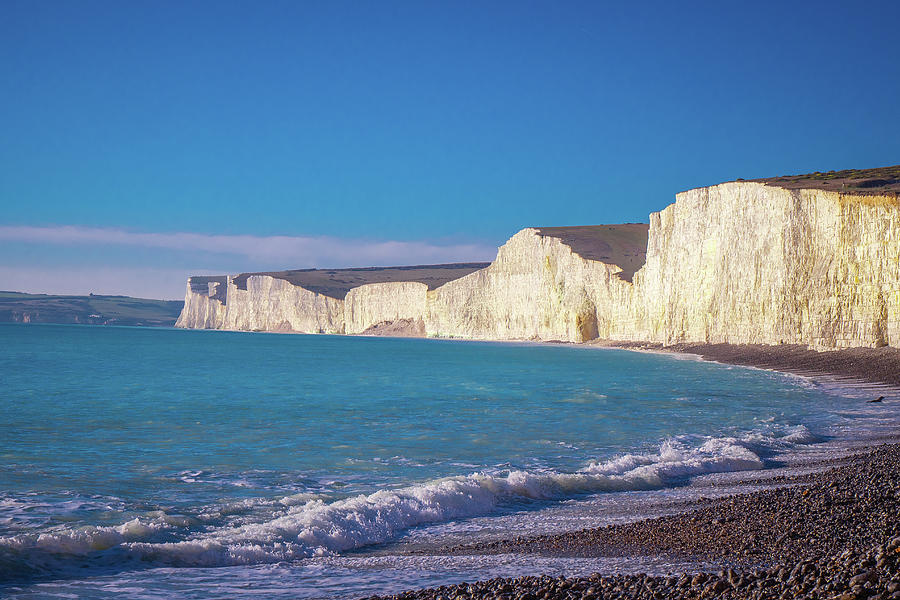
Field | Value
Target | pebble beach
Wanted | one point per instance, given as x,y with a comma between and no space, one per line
834,534
830,534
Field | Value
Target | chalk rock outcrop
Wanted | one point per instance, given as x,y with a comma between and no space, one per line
753,263
267,303
740,262
374,304
318,301
538,288
204,303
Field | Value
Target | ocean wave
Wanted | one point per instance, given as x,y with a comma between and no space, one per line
306,525
33,510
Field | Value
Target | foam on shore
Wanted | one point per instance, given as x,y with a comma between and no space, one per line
301,528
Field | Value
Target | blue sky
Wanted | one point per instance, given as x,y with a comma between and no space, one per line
142,141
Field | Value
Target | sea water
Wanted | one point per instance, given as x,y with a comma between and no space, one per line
162,463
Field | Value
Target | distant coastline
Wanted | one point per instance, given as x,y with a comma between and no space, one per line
19,307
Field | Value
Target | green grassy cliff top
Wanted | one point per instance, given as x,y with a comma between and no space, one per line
883,180
16,307
337,282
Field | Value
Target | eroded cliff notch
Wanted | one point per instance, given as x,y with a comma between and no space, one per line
623,245
212,286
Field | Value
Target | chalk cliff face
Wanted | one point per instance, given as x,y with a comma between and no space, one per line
270,304
380,303
537,288
751,263
739,262
204,303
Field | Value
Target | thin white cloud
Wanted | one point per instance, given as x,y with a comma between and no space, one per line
139,282
142,275
298,251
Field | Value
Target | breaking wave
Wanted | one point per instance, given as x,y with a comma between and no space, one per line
304,526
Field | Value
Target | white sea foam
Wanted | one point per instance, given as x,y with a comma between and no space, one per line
302,526
84,540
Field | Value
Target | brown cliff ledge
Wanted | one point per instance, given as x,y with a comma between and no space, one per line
335,283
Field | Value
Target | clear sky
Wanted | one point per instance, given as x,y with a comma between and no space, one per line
142,141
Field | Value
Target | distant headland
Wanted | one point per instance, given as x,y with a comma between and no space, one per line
17,307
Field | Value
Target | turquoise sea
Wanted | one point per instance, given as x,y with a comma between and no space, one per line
162,463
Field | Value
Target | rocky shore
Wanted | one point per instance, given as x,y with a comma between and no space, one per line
834,534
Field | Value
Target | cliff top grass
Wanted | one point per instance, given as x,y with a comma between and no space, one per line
622,245
337,282
880,181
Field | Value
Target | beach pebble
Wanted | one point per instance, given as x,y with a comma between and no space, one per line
837,537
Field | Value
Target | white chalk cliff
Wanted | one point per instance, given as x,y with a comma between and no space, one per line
739,262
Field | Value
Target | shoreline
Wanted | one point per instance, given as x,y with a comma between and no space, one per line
857,365
683,536
828,534
831,533
872,366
